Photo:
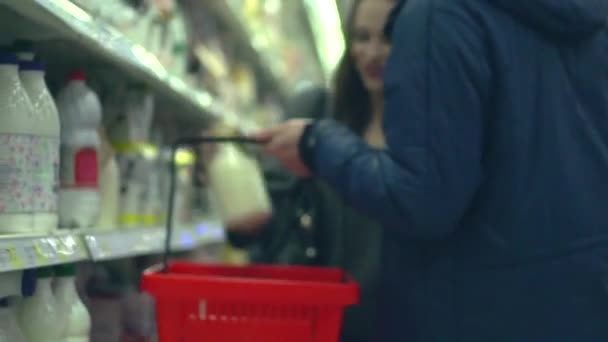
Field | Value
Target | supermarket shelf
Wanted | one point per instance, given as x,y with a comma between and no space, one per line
134,242
104,42
19,252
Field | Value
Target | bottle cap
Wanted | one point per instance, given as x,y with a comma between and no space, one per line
31,65
28,283
77,75
7,57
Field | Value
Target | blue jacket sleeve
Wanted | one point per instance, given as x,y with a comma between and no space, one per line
435,83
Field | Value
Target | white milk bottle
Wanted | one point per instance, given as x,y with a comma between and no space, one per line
45,147
78,325
109,185
17,283
12,286
16,130
80,114
238,187
38,315
9,329
130,139
10,283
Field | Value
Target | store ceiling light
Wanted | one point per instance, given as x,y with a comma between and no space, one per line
327,29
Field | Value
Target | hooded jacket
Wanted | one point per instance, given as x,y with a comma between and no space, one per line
494,190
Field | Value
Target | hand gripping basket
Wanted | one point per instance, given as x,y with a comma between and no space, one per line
212,303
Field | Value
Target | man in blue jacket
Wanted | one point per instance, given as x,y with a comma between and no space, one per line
494,188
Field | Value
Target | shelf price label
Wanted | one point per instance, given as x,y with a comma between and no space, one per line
11,257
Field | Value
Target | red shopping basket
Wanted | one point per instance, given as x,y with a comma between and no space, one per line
249,304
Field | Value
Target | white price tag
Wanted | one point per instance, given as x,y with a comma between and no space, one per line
9,258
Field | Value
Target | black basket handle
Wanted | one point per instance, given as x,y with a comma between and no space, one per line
190,142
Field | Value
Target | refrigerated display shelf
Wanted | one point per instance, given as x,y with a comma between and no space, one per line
31,251
18,252
109,44
121,244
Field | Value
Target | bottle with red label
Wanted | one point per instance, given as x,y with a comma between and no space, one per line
80,114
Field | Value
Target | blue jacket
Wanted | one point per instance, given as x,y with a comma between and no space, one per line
494,189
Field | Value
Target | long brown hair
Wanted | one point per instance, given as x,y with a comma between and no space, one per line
352,103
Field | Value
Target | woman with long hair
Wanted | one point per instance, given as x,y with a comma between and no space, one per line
311,225
358,97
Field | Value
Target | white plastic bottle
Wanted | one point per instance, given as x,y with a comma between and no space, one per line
39,316
45,147
109,186
151,203
9,329
238,188
16,129
78,326
10,284
80,115
13,285
17,283
133,151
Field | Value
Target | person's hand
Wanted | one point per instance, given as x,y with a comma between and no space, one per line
281,141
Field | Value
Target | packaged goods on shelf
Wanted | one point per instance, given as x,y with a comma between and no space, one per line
18,126
45,147
178,45
77,318
183,186
237,185
80,114
130,126
9,328
13,285
109,185
39,315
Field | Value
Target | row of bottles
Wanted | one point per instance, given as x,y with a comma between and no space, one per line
50,310
59,168
129,117
50,150
50,154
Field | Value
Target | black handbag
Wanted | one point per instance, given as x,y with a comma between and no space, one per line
295,234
